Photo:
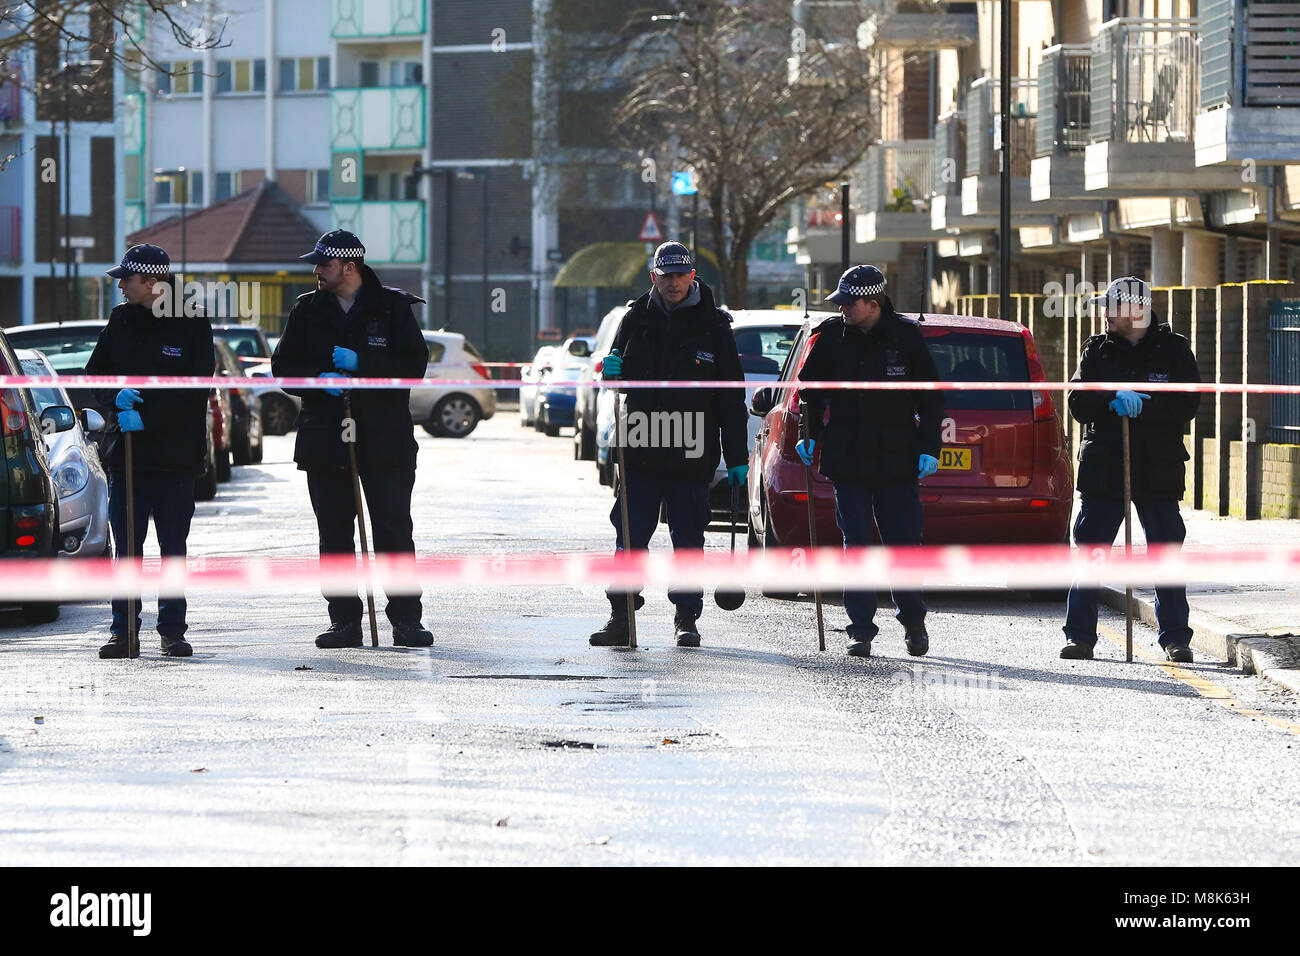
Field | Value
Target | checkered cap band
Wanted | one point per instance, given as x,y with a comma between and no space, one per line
341,252
860,290
148,268
1119,295
671,260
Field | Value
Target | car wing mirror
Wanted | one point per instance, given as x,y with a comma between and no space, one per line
57,418
762,402
91,420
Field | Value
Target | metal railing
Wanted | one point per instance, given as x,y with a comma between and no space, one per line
1064,88
949,154
1284,368
1145,81
897,176
983,105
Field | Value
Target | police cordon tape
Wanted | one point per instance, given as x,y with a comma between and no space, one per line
194,381
930,567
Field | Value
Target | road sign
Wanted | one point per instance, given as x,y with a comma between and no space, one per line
650,229
77,242
684,183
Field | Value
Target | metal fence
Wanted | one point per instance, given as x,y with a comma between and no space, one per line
898,176
1064,89
1145,81
949,154
983,106
1284,368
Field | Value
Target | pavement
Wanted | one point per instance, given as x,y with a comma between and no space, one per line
511,741
1253,627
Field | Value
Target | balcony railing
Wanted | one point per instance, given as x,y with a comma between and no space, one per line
393,231
983,105
897,176
949,154
1064,88
1250,53
377,18
385,117
1145,76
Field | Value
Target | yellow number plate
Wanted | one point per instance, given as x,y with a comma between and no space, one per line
954,459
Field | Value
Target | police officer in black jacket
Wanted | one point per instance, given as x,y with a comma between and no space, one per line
353,325
872,447
1136,348
148,334
674,331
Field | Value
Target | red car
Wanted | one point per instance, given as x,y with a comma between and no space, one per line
1004,474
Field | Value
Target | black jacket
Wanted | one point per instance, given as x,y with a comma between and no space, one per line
137,342
872,438
383,332
1155,436
694,342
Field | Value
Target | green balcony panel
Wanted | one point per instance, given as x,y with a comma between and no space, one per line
392,232
377,18
386,117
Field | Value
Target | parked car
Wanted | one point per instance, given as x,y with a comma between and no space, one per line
1004,474
529,376
253,348
585,410
79,476
223,428
555,401
452,412
246,417
29,503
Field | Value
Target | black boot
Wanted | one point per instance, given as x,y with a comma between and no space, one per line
116,648
411,634
341,635
917,640
615,633
176,647
684,624
1077,652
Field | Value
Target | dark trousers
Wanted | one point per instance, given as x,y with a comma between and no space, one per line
388,499
1098,522
897,514
687,503
169,499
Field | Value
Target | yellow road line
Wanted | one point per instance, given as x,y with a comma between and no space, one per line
1206,688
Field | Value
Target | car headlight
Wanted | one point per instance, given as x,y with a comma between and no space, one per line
71,473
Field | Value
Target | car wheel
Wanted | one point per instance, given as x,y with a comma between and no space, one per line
223,465
278,415
455,416
602,474
205,486
766,538
255,454
41,612
552,431
584,444
242,448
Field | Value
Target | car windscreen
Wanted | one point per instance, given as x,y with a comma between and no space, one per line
42,398
245,343
763,349
962,356
67,349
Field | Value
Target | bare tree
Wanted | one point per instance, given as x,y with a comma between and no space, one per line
764,112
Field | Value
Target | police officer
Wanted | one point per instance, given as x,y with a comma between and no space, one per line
353,325
1137,348
872,447
674,331
149,334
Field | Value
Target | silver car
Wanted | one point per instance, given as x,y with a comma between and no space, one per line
447,412
79,477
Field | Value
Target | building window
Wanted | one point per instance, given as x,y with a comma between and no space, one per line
182,77
407,73
168,190
300,74
241,76
370,187
225,185
369,74
318,186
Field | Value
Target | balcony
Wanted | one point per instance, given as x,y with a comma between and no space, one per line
1145,76
383,117
892,190
377,19
393,232
815,239
939,29
1250,83
949,166
1061,134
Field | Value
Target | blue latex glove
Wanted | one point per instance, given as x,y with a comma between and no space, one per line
612,367
805,448
926,466
1128,403
345,359
737,474
128,398
129,421
333,391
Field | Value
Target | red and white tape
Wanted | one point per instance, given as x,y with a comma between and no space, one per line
930,567
192,381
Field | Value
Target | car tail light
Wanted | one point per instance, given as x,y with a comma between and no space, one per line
801,496
1043,409
12,419
25,540
929,499
599,366
480,370
28,524
1039,503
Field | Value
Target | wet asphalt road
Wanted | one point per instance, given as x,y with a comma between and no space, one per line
513,741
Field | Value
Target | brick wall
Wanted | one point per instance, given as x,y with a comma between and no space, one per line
1280,481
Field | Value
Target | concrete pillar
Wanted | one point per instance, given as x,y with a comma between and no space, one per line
1230,248
1166,257
1200,259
